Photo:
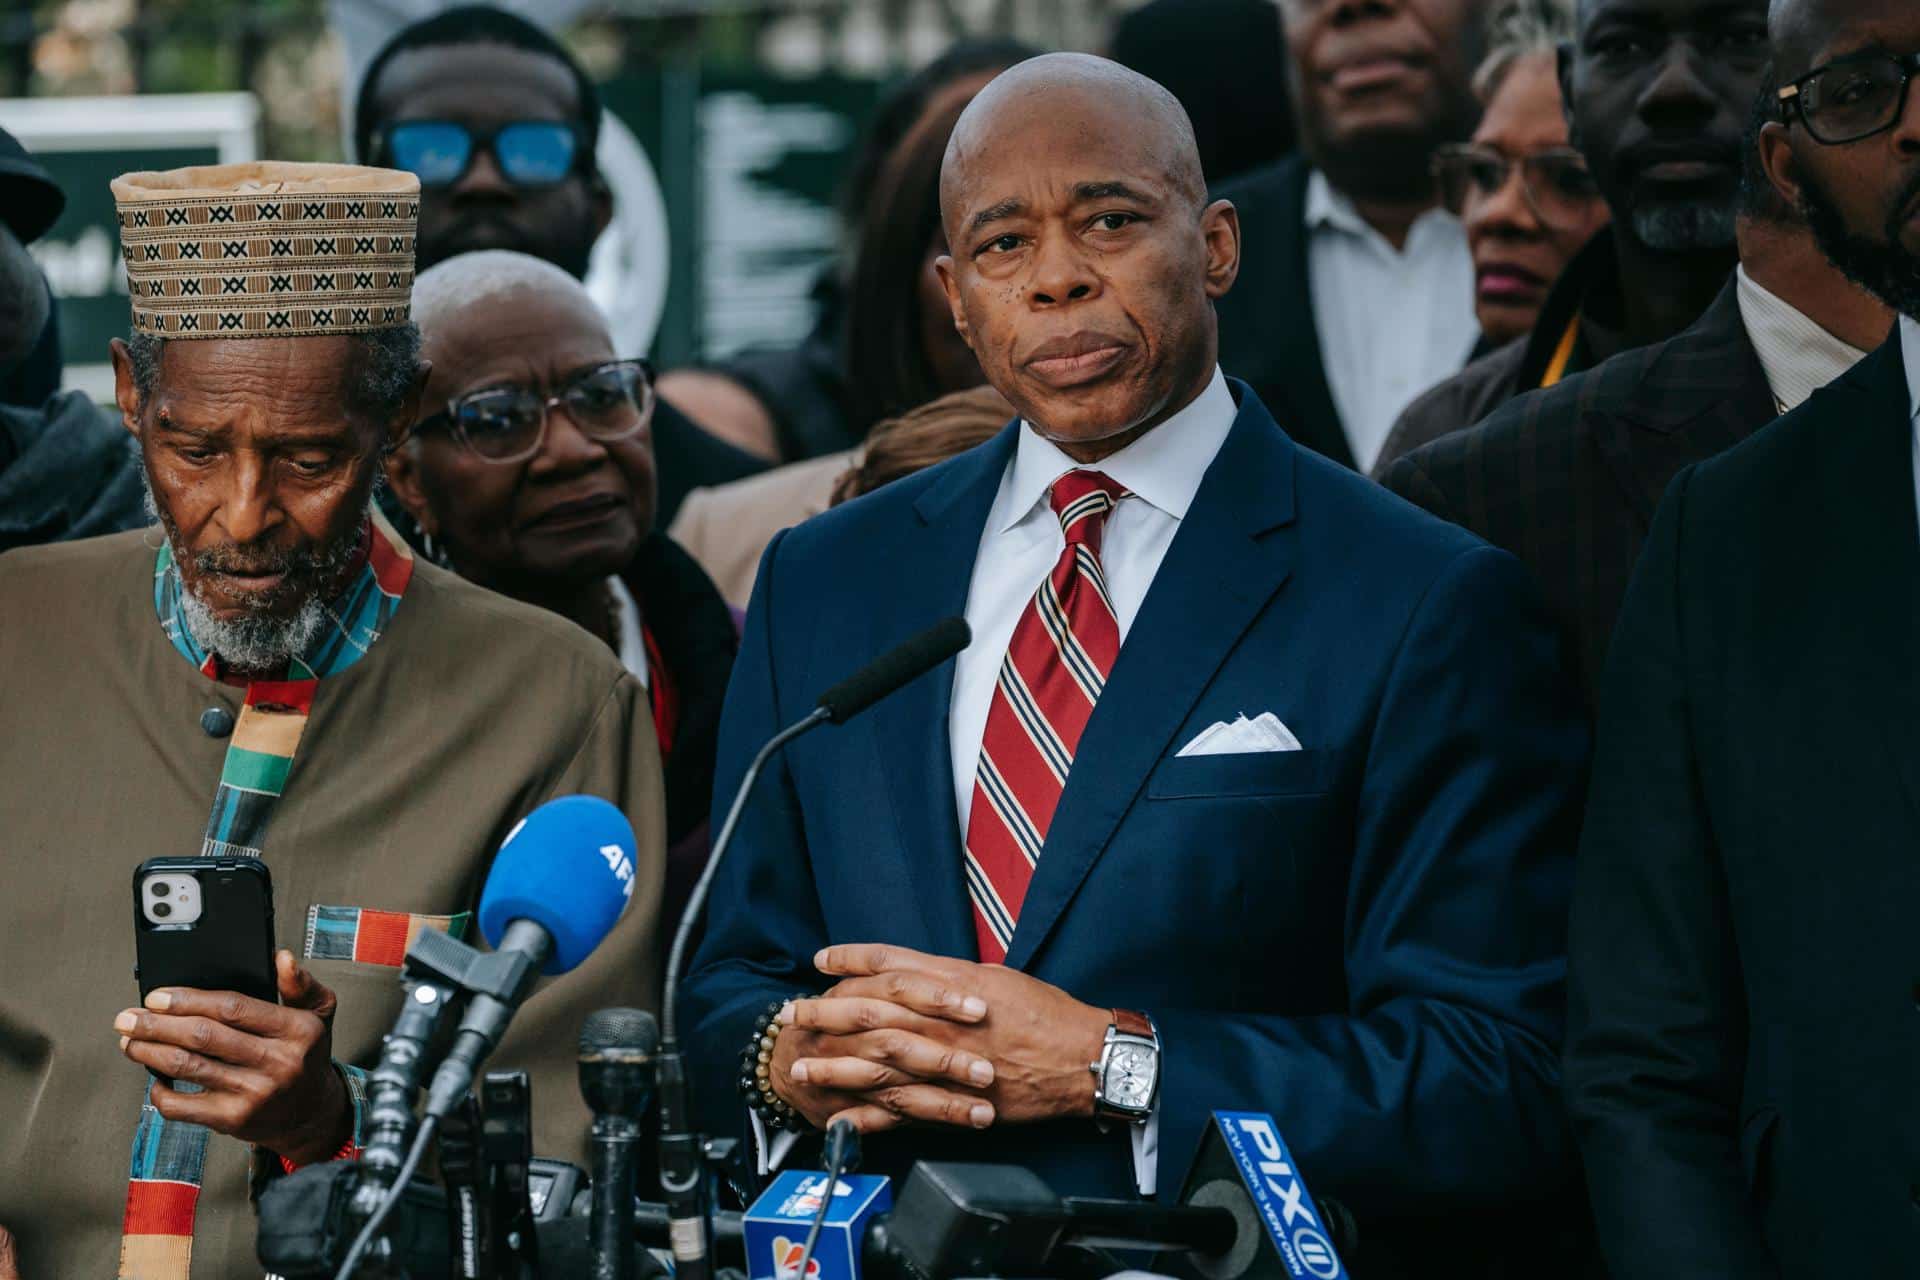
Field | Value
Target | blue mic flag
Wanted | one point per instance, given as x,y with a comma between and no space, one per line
776,1226
1279,1193
568,867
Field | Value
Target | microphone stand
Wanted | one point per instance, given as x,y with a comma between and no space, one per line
682,1162
682,1157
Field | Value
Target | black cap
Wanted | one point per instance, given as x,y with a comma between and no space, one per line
30,200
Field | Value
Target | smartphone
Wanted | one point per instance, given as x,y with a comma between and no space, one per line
205,923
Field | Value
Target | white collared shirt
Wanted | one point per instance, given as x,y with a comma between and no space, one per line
1910,356
1391,322
1021,541
1797,355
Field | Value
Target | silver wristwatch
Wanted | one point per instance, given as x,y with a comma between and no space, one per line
1126,1079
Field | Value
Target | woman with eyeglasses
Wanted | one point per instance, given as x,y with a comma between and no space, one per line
1528,204
1524,194
531,471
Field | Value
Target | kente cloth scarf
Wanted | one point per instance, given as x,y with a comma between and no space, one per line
169,1157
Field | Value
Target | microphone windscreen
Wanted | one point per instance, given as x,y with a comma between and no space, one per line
568,867
906,661
619,1031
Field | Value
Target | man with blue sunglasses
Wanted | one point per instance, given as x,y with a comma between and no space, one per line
499,123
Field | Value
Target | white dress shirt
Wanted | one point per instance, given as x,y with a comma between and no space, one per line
1910,356
1021,541
1391,322
1018,547
1797,355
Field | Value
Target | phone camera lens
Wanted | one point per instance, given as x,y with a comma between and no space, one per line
160,888
162,909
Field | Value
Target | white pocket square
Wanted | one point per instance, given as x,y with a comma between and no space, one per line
1263,733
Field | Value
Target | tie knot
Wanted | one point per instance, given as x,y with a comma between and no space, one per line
1082,500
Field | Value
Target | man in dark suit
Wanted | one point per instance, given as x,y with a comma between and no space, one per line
1356,287
1242,745
1568,478
1656,93
1742,1057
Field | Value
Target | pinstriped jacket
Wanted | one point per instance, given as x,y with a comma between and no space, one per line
1567,478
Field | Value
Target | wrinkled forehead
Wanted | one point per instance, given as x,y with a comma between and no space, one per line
511,332
1809,33
1045,142
478,83
1674,15
295,385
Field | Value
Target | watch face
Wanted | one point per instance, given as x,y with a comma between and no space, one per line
1129,1078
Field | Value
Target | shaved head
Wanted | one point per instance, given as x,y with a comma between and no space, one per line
1083,257
469,283
1797,29
1094,93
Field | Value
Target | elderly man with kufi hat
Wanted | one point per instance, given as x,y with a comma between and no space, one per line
381,724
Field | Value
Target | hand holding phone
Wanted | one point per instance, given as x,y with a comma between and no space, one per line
265,1069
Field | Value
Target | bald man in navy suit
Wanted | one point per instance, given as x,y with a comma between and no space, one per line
1256,788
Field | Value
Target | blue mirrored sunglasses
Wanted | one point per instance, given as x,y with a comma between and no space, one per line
529,153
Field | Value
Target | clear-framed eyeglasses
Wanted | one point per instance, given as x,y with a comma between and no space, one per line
1554,182
508,424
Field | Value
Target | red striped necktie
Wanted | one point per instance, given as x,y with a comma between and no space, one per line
1062,650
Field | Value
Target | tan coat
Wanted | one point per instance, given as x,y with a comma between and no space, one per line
728,526
471,710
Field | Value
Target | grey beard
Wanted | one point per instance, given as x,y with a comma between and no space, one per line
253,644
1683,228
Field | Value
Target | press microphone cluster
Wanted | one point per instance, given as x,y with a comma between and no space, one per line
556,889
1244,1214
682,1173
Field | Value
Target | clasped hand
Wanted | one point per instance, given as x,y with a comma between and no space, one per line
907,1037
265,1070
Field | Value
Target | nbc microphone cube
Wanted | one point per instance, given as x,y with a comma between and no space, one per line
776,1226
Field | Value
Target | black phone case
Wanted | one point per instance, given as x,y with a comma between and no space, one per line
229,948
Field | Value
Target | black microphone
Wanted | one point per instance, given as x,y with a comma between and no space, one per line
895,668
680,1160
616,1079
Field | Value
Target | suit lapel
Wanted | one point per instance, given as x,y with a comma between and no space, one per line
1867,493
911,725
1704,392
1223,566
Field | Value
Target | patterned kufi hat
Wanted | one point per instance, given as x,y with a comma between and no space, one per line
268,250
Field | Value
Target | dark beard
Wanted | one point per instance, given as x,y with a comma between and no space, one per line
1880,266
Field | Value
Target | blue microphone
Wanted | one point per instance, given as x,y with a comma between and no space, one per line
556,889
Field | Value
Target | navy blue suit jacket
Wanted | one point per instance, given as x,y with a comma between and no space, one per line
1365,937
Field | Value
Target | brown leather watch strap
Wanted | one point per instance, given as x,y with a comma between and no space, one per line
1133,1024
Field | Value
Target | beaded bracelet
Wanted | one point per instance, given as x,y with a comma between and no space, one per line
756,1073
